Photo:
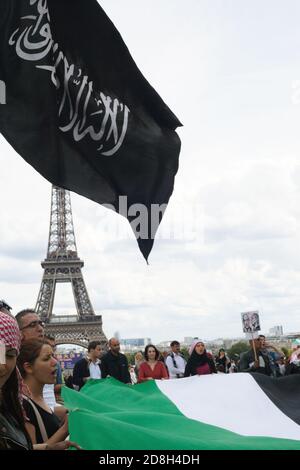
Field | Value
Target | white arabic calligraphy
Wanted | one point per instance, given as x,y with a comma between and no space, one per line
82,110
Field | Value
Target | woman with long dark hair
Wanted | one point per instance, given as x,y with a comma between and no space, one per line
38,367
152,368
222,361
199,362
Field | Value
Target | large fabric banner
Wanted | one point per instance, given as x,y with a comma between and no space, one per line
219,411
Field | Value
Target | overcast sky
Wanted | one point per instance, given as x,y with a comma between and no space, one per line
230,71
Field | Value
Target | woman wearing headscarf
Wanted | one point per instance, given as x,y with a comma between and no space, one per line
13,434
199,362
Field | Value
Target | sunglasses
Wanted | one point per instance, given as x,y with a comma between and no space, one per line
34,324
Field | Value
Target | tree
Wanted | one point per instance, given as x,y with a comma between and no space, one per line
130,357
287,352
237,349
185,353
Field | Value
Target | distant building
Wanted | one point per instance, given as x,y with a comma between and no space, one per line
188,340
163,345
276,331
229,342
134,344
218,343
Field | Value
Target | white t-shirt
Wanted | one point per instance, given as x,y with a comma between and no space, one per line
173,371
95,372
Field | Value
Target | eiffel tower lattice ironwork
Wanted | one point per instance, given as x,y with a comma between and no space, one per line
62,264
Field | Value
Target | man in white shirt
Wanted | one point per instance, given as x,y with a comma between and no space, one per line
94,357
88,367
175,361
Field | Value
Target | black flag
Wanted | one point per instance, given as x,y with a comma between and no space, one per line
81,113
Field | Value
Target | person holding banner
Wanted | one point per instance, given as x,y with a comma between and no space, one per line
200,361
38,367
152,368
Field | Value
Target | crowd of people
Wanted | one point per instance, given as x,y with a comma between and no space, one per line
31,417
153,365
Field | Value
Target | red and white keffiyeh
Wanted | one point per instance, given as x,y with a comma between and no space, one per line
10,336
9,332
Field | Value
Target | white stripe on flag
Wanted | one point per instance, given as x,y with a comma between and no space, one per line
231,401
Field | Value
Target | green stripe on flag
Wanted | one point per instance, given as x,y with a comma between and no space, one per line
109,415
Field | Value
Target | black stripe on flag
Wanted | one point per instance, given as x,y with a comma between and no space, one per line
284,393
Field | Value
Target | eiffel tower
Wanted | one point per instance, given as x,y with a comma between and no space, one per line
62,264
